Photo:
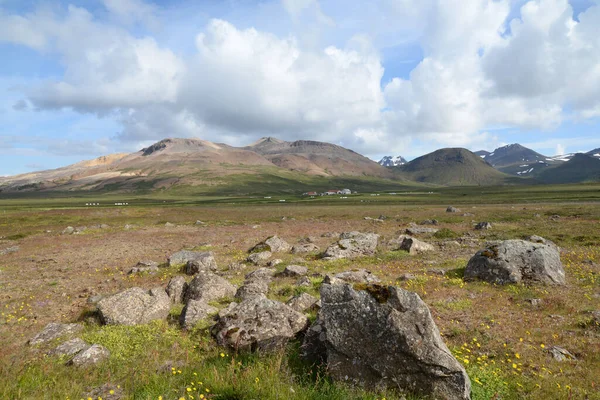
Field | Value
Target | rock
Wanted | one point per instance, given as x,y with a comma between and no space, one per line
274,263
305,248
355,276
252,288
207,287
407,277
534,302
183,256
314,345
69,230
108,391
273,244
223,312
134,306
258,324
69,348
415,246
199,223
513,261
331,235
554,217
259,258
396,243
307,239
539,239
176,289
149,267
429,222
468,215
201,262
420,231
194,311
437,271
294,271
9,250
483,226
54,331
304,282
90,356
561,354
452,209
261,274
302,302
385,337
169,225
352,245
130,226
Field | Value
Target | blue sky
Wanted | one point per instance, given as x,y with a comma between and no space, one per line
85,78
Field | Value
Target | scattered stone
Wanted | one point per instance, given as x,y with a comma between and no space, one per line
396,243
259,258
261,274
90,356
199,223
201,262
302,302
305,248
304,282
307,239
407,277
539,239
9,250
207,287
69,348
437,271
468,215
355,276
134,306
405,350
331,235
561,354
169,225
108,391
555,217
483,226
259,324
294,271
415,246
452,209
129,226
352,245
194,311
252,288
273,244
54,331
367,218
275,262
176,289
69,230
513,261
149,267
183,256
429,222
534,302
420,231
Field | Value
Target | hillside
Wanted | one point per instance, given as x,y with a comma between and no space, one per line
194,165
580,168
453,166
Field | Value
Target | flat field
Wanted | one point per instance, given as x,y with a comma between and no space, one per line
501,338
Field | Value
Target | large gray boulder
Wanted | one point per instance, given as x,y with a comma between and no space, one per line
252,288
354,276
352,245
305,248
294,271
207,287
273,244
259,258
513,261
302,302
202,262
194,311
415,246
134,306
183,256
419,230
94,354
258,324
176,289
54,331
69,348
385,337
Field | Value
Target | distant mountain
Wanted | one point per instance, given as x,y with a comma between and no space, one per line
515,159
316,158
578,169
453,166
481,153
594,153
390,161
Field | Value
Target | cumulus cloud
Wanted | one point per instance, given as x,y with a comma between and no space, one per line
479,71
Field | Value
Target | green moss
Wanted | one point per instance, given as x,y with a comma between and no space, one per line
445,233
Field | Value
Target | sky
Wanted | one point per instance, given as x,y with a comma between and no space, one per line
85,78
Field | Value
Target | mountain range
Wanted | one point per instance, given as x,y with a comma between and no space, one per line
273,165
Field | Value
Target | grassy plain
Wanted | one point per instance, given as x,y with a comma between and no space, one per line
498,335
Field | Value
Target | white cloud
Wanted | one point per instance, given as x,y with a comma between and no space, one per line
130,11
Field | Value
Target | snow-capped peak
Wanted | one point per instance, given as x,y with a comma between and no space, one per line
390,161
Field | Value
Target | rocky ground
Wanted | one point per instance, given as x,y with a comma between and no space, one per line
521,335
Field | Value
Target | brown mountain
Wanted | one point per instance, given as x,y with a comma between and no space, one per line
195,162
